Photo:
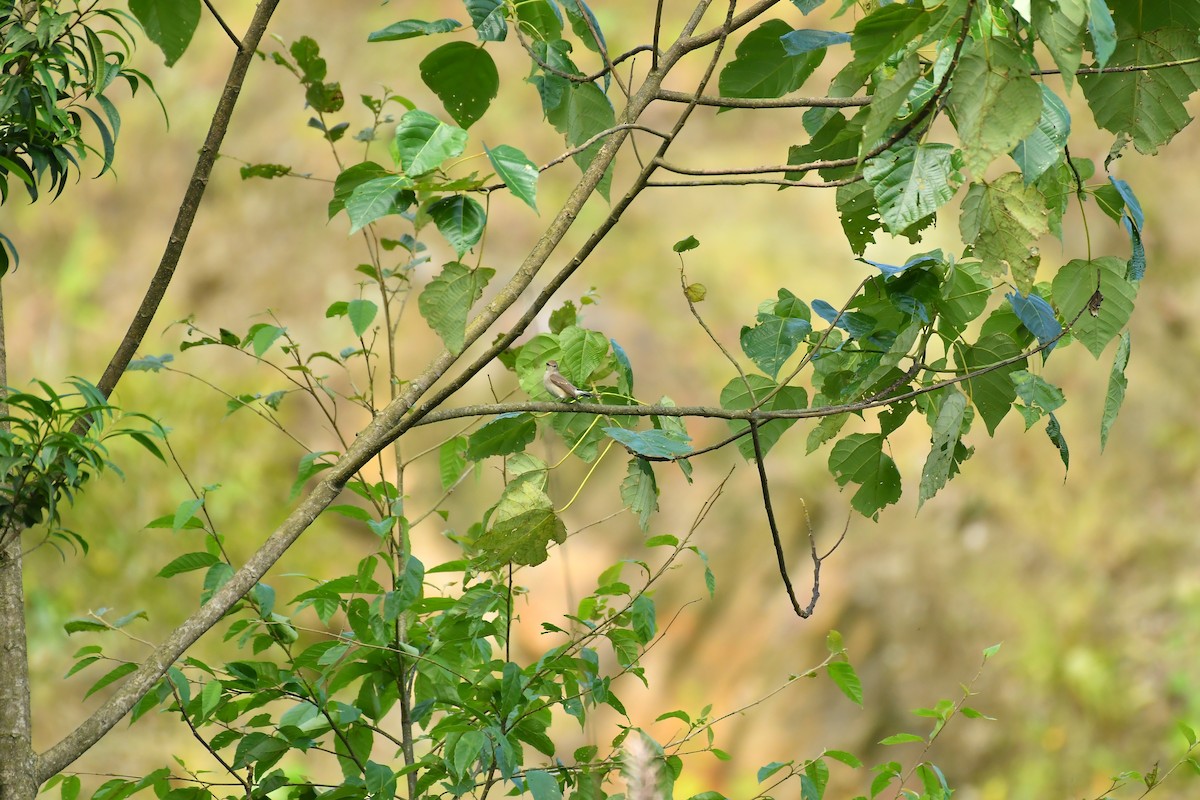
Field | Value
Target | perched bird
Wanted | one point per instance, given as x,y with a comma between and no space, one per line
559,387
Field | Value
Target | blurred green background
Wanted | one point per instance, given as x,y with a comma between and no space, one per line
1091,583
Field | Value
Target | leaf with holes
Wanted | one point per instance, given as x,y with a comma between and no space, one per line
464,78
859,458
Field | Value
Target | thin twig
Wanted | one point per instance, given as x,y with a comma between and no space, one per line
764,102
232,36
760,462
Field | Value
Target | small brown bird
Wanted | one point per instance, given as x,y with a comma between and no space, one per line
559,387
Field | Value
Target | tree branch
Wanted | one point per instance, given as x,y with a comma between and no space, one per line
191,201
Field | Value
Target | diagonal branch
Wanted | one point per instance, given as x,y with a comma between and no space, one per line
191,201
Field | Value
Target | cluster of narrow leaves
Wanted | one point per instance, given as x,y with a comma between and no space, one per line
393,656
55,63
51,444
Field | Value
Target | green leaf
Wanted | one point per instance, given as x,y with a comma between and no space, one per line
1148,105
523,524
994,100
350,179
762,67
446,301
1103,31
642,618
1117,383
683,245
902,738
188,562
849,759
1073,288
912,182
464,78
735,396
639,491
423,142
992,393
452,460
584,112
507,433
113,675
947,430
583,352
362,314
889,98
81,625
542,785
767,770
541,18
490,18
376,198
1045,146
877,37
1054,431
1002,220
773,341
859,458
185,512
1060,26
460,219
1035,390
517,171
653,443
410,28
168,23
846,678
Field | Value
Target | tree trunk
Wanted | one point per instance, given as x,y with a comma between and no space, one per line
16,751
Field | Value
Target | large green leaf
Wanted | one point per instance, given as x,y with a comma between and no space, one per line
993,392
541,18
517,171
464,78
947,430
762,67
583,353
490,18
168,23
506,434
460,219
639,491
1147,105
1002,220
1045,146
447,299
423,142
350,179
1117,383
994,100
859,458
653,443
886,103
411,28
773,341
876,37
583,112
523,524
376,198
736,397
1060,26
1073,288
912,182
